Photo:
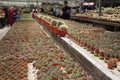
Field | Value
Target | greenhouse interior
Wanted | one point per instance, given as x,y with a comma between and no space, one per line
59,39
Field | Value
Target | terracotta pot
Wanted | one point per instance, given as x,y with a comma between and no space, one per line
85,44
62,33
55,30
37,67
64,74
92,49
79,41
88,47
82,43
40,20
55,78
118,59
96,52
69,72
22,77
56,64
50,27
47,23
101,55
43,21
110,65
106,58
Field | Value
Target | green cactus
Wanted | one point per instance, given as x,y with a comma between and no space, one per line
50,19
73,76
54,23
61,78
63,27
47,18
60,23
48,78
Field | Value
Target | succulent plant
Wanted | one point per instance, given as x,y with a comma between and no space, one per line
60,23
48,78
54,22
50,19
63,27
73,76
42,48
110,63
61,78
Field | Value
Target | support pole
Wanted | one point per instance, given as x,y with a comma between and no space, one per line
8,3
28,2
37,3
99,13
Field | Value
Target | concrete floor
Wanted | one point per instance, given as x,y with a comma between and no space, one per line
4,31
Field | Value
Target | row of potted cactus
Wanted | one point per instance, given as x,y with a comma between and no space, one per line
102,43
31,42
55,26
13,70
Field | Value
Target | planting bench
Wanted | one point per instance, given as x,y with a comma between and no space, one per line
97,68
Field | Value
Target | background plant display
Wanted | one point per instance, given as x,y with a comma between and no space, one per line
26,10
107,14
26,41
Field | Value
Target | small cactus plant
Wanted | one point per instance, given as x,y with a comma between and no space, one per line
111,63
63,27
50,19
54,23
60,23
47,18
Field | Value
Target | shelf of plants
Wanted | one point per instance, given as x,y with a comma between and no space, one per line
97,20
108,14
99,42
26,41
110,17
